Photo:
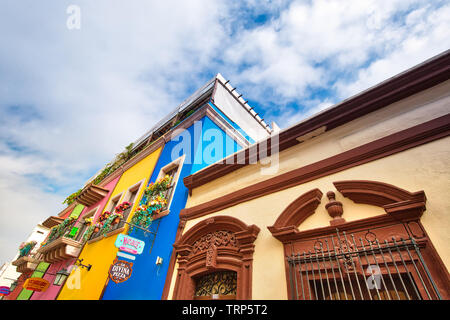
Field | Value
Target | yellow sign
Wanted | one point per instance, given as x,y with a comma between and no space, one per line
36,284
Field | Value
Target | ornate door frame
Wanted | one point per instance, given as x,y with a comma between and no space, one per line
215,244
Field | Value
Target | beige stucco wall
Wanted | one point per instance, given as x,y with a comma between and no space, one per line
422,168
419,108
425,167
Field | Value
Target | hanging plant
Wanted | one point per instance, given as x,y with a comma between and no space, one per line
123,206
143,215
159,186
89,231
71,199
59,230
26,247
97,227
88,221
104,216
110,222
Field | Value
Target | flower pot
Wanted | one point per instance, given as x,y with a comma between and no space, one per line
96,229
116,220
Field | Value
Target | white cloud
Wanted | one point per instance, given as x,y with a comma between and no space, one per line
71,100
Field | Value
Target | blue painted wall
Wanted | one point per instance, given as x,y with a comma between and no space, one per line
147,279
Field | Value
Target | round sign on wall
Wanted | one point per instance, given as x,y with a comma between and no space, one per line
120,271
4,291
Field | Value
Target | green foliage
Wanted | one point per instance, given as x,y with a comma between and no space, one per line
152,202
70,199
25,248
87,234
110,168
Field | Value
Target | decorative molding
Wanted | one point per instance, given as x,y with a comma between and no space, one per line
392,144
408,83
335,209
402,220
399,204
376,193
297,212
219,243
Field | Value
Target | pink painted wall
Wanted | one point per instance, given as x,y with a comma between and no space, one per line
50,275
52,291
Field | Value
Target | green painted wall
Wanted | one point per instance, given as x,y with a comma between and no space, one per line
38,273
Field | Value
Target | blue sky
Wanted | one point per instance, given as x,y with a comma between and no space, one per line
72,99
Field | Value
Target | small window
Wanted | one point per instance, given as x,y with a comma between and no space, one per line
172,170
113,204
216,285
133,196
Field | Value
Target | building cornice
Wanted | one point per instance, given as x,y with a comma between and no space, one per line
392,144
408,83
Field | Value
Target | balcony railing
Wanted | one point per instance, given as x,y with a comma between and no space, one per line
63,243
59,232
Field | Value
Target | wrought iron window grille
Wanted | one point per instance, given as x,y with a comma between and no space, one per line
341,267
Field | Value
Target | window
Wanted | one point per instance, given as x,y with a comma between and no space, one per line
212,263
172,170
350,290
216,285
114,202
338,267
133,196
82,227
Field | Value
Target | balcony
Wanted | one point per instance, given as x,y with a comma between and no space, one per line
60,249
25,264
115,229
52,221
91,194
63,242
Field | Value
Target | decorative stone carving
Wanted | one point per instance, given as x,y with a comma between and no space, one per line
211,257
221,238
334,209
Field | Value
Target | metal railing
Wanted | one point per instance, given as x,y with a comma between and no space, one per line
344,268
119,225
63,233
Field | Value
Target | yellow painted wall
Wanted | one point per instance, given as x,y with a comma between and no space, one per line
422,168
102,253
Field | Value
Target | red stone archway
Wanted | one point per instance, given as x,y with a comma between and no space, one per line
215,244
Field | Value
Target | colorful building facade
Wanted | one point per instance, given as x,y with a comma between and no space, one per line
26,261
186,141
62,264
345,205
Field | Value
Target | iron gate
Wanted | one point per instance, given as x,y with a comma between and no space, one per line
341,267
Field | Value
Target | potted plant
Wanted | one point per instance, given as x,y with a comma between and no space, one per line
97,227
105,215
88,221
116,219
123,206
26,247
